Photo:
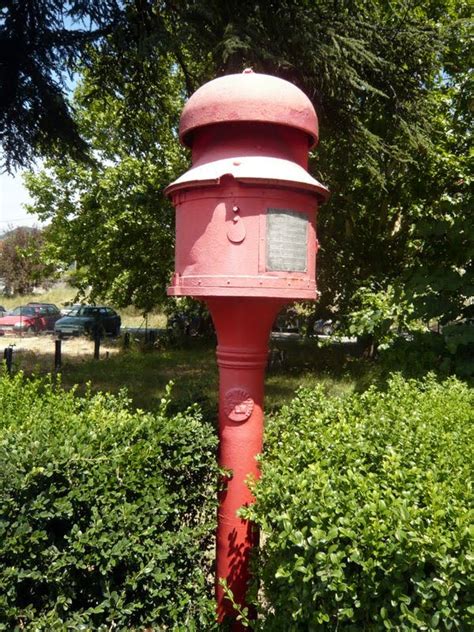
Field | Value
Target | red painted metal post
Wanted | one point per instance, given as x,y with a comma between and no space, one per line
243,327
246,245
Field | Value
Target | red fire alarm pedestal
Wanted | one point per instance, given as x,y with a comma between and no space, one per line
246,245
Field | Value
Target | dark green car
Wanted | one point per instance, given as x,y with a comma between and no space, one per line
88,320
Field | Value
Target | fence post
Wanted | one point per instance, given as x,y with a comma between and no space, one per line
57,354
97,344
8,357
126,340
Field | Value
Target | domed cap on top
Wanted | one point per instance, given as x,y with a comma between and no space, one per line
250,97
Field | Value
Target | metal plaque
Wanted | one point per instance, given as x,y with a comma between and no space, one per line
287,240
238,404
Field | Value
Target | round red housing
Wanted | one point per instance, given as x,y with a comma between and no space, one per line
246,210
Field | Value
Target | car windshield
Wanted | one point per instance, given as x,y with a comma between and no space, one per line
23,311
83,310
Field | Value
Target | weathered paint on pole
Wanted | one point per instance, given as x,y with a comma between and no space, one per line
246,245
243,326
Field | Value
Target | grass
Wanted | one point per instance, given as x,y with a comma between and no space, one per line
192,367
57,295
304,363
132,317
146,372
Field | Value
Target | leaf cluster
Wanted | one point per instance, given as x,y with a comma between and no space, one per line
112,217
41,41
365,504
107,514
390,83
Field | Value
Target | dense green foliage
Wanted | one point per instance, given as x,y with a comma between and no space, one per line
107,514
366,509
40,42
390,83
111,217
450,352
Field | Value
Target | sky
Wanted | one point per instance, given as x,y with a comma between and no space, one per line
13,194
12,197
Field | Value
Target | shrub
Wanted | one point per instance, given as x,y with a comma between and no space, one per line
106,514
363,503
452,352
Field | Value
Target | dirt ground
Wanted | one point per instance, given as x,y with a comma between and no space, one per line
39,350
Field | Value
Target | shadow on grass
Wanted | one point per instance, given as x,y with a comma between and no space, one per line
145,372
339,367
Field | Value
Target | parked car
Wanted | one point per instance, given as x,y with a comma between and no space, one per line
324,327
69,307
287,322
87,319
30,318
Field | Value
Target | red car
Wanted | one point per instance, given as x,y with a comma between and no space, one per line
29,319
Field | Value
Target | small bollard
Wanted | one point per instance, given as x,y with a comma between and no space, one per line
126,340
96,345
57,354
8,357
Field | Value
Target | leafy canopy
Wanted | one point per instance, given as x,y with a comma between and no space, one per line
41,41
391,88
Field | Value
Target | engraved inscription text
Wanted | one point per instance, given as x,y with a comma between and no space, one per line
287,240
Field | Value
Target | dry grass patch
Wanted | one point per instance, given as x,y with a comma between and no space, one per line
36,353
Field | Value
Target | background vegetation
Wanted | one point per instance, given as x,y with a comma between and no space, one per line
107,511
21,265
392,86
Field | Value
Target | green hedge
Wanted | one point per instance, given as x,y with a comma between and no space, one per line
106,514
364,506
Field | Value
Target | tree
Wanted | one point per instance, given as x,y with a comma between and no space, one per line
432,277
112,217
376,73
41,41
20,260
